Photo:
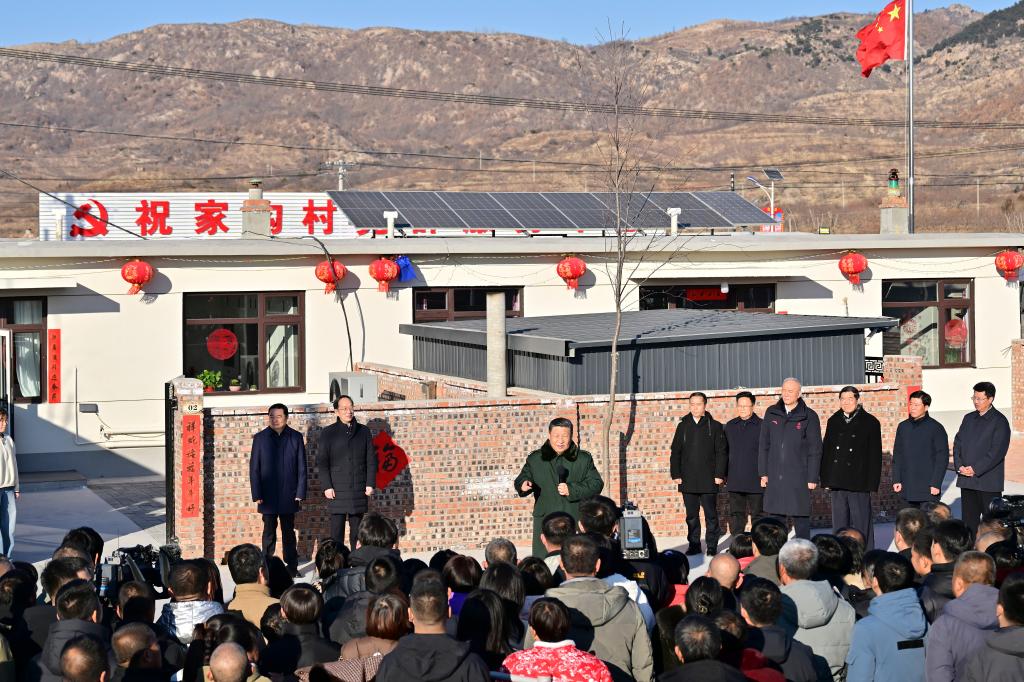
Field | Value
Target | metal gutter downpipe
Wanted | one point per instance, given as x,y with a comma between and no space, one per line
497,344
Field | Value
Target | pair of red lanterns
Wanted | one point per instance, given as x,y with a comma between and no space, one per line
1008,263
384,270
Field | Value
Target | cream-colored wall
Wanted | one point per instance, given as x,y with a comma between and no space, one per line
125,347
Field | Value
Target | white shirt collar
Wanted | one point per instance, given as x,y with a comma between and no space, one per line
554,645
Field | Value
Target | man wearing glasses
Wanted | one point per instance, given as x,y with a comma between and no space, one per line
979,453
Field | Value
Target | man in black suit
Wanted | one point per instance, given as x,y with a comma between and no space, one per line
698,465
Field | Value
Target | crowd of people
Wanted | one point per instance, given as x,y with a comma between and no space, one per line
947,605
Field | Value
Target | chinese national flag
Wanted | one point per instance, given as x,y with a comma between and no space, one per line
884,38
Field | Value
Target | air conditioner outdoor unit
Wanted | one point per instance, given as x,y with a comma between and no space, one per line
362,388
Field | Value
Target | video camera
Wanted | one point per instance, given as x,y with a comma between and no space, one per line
631,533
141,563
1009,509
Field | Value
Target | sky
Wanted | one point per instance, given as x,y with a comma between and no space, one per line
577,21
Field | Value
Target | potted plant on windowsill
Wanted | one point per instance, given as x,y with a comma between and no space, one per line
211,380
235,386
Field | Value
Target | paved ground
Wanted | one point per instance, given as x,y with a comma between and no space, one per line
143,501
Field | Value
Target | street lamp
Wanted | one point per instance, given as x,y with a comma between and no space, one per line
772,174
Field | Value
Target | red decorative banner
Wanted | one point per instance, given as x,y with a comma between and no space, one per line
705,294
222,344
53,366
391,459
190,465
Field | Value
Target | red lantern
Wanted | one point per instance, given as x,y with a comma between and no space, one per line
571,269
222,344
385,271
956,333
323,273
1008,263
137,273
851,265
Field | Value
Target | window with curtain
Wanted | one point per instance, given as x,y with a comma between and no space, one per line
936,320
245,341
26,318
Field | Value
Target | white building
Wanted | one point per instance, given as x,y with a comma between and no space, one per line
88,361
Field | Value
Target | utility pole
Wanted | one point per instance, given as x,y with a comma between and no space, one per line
732,182
342,168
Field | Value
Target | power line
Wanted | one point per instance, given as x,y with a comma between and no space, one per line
794,166
491,100
66,203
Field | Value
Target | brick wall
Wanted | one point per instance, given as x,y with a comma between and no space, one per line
397,383
457,491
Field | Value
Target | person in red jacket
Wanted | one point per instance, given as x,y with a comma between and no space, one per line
553,656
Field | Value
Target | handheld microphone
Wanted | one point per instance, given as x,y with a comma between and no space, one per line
563,473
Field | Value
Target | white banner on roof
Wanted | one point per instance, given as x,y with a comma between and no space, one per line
184,215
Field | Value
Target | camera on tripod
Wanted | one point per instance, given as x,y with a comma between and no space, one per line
631,533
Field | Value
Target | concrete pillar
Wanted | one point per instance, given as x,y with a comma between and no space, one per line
497,342
256,212
895,216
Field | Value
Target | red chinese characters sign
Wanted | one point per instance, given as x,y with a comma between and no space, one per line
391,459
190,465
210,217
705,294
53,366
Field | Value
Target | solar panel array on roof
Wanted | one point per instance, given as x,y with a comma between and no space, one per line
546,211
733,207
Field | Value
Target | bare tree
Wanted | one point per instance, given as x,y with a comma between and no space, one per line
619,73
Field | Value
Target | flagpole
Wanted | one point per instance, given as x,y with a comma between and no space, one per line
909,48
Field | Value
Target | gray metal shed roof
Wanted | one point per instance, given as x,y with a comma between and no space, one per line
562,334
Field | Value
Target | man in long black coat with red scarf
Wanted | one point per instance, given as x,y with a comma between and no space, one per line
790,458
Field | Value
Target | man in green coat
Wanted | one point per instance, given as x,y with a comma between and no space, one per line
559,476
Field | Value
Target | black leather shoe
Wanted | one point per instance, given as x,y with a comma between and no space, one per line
711,551
694,550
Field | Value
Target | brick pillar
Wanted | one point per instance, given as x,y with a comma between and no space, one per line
904,370
1017,383
188,467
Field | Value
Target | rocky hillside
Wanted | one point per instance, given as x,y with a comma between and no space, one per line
970,70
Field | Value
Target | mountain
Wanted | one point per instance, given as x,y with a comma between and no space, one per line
971,71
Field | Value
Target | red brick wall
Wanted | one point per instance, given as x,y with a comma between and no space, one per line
396,383
457,491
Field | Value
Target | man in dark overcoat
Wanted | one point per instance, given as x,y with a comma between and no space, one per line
979,455
790,457
920,454
743,434
851,464
698,464
277,477
347,461
559,476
